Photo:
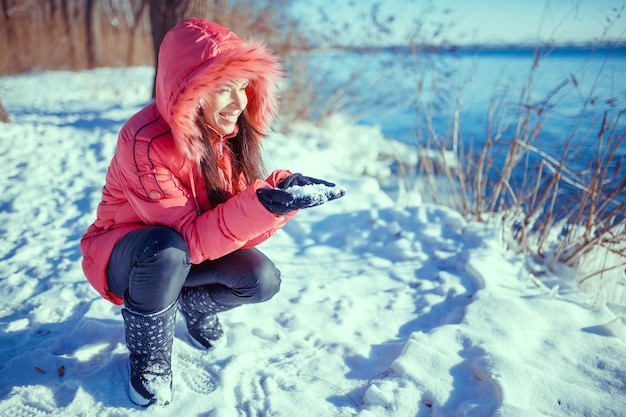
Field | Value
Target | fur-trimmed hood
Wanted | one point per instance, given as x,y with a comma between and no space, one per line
195,57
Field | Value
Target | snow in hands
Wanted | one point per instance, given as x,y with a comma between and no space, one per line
298,192
315,194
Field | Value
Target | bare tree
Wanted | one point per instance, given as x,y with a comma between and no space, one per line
59,15
65,16
8,8
165,14
135,12
93,30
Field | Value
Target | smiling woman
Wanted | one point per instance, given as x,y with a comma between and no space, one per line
186,201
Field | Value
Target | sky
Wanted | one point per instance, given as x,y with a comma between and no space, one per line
477,21
524,21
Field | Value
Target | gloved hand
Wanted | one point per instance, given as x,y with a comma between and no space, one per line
297,192
299,180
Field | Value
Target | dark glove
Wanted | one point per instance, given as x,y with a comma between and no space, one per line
299,180
292,194
275,200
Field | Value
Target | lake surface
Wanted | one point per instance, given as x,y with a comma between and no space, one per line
413,98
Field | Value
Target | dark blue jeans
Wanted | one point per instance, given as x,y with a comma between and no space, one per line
150,266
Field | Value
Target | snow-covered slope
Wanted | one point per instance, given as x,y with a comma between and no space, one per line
384,310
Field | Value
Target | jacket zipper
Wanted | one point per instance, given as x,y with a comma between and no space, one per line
219,166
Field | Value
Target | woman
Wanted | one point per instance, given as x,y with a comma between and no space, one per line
185,204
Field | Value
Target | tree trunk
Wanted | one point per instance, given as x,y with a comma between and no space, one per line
165,14
7,27
67,28
92,26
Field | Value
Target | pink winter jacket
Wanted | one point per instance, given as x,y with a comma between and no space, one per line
154,179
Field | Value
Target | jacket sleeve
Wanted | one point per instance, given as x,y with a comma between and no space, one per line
273,180
159,198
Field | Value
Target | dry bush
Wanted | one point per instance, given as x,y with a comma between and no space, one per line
560,214
563,216
73,35
4,116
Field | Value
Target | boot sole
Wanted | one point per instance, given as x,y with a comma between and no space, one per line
137,398
219,343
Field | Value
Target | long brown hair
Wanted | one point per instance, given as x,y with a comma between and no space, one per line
244,150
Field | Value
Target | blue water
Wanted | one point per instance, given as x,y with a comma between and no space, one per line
589,86
570,93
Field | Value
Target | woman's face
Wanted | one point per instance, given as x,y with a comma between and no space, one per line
223,108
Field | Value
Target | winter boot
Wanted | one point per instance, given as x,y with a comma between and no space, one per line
149,338
200,312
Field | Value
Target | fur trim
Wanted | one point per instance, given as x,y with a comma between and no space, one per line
195,58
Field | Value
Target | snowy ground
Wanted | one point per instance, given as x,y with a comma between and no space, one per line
384,310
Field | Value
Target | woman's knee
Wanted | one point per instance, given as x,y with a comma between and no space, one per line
159,264
166,245
260,284
268,281
166,256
